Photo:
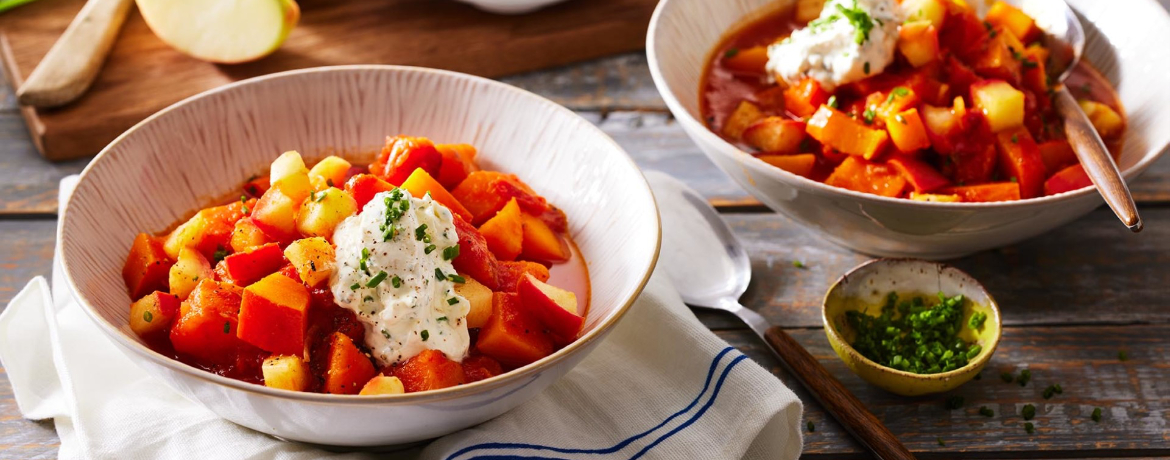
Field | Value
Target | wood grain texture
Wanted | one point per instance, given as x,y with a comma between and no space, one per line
20,438
26,251
837,401
143,75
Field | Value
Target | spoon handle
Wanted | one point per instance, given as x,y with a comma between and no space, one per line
1097,161
837,400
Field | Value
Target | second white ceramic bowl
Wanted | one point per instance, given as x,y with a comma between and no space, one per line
184,157
683,33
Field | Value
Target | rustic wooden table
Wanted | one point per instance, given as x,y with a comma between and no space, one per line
1072,299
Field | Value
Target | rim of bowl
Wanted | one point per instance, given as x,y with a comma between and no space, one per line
695,128
455,392
992,304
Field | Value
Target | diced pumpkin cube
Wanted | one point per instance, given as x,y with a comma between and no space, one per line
402,155
921,176
287,373
1001,14
907,131
512,336
191,268
841,132
323,212
1067,180
483,193
274,315
1057,155
276,215
918,42
383,385
247,236
363,187
1002,104
801,164
803,98
480,299
429,370
208,231
289,174
807,10
458,162
775,135
313,258
420,183
347,369
329,172
1001,58
934,197
147,266
541,243
206,328
479,367
475,259
247,267
995,191
1106,120
504,233
1020,161
152,315
510,272
745,114
932,11
863,176
747,60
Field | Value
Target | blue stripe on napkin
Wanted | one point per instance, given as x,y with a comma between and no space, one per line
511,450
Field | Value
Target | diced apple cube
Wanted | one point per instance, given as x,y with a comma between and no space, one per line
323,211
1106,120
480,299
1007,16
329,172
188,270
744,115
918,42
276,215
152,315
313,258
1002,104
247,236
288,172
274,315
553,307
286,372
383,385
932,11
775,135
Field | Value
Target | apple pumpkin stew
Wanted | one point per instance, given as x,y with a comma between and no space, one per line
929,100
418,272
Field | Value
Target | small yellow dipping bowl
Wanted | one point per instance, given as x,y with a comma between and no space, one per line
865,288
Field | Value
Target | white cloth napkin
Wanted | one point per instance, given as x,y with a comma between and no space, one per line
660,386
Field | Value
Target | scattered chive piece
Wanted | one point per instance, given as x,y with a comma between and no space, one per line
420,232
368,299
441,318
869,115
452,301
799,264
984,411
385,334
730,53
227,327
1052,390
1015,138
147,316
832,101
901,91
451,252
1122,355
1024,377
425,335
1007,377
811,427
456,279
1029,411
377,279
439,274
396,281
220,254
940,441
914,336
429,249
355,286
866,67
1029,427
977,320
954,402
1096,415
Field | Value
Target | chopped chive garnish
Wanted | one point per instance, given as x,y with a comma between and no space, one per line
456,279
832,101
984,411
429,249
1052,390
811,428
1029,411
227,327
420,232
869,115
385,334
355,286
1096,415
439,274
977,320
730,53
396,281
368,299
798,264
1029,427
1024,377
147,316
377,279
452,301
940,441
220,254
1122,355
425,335
441,318
451,252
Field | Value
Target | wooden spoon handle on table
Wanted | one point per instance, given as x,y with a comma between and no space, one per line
73,62
837,400
1096,160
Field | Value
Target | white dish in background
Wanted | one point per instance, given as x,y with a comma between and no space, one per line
188,155
510,6
683,33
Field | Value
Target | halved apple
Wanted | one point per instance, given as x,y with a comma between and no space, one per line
553,307
223,31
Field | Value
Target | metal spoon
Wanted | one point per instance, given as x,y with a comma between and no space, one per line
710,269
1065,40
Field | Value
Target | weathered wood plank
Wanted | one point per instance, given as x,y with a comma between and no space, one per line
26,250
620,82
1134,396
1072,275
20,438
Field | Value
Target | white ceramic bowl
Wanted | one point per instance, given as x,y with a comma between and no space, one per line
182,158
510,6
683,33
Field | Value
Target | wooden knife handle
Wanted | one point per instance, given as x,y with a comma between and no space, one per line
837,400
73,62
1096,160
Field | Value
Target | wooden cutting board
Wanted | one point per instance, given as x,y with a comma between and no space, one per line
143,75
